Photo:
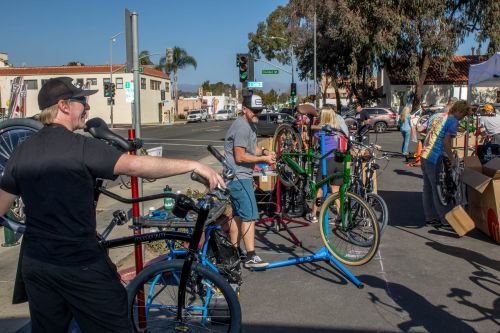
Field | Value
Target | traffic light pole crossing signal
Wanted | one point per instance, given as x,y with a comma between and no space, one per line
245,66
293,93
112,90
107,89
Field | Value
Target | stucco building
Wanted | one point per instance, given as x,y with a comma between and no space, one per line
155,92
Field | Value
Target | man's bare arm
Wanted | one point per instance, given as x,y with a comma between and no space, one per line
159,167
6,201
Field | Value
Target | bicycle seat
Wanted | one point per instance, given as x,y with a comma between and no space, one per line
307,109
99,130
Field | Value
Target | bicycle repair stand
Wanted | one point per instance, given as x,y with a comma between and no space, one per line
278,217
321,254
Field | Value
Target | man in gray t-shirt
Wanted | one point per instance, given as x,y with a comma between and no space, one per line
240,148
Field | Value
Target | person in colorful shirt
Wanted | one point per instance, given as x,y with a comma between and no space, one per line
334,141
441,129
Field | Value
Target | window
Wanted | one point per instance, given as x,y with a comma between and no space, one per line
92,82
31,84
44,81
373,111
79,83
119,83
155,85
167,87
263,117
105,80
143,83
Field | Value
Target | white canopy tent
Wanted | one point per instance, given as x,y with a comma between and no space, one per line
485,74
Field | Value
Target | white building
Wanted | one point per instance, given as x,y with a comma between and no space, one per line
438,87
216,103
154,84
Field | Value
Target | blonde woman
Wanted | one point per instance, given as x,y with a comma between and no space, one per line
405,128
329,117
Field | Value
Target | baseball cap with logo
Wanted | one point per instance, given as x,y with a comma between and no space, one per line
253,102
60,88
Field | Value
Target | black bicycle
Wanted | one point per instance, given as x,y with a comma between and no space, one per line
171,296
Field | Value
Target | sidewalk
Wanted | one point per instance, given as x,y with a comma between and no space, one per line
15,318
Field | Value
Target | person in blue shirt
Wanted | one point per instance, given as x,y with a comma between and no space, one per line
405,128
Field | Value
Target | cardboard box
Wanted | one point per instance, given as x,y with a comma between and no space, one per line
459,141
266,183
484,195
460,220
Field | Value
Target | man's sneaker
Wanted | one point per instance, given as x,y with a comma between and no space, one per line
433,222
312,218
255,262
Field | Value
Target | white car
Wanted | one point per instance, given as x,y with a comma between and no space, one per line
197,115
223,115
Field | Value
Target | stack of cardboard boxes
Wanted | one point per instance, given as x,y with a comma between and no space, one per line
483,188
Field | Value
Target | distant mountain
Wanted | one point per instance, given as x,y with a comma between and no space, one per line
277,86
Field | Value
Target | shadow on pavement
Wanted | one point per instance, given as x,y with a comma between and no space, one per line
421,313
407,173
405,208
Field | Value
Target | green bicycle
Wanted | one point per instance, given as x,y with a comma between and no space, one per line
348,226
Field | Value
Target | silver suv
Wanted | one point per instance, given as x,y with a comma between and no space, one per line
197,116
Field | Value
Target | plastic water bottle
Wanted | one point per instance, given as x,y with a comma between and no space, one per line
263,166
168,203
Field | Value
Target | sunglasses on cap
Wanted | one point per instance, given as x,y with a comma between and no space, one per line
81,100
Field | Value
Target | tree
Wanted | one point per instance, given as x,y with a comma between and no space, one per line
75,63
144,58
219,88
181,60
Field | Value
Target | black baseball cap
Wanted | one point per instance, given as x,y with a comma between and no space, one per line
253,102
60,88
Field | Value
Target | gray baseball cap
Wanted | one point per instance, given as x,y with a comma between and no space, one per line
253,102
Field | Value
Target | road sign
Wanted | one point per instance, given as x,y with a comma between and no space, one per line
127,70
270,71
251,84
129,92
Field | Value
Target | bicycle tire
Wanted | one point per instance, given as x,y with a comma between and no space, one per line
379,207
222,311
12,133
290,142
443,192
344,243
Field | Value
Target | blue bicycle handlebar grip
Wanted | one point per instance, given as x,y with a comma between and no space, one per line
216,153
197,178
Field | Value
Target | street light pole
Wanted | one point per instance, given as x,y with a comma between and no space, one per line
111,40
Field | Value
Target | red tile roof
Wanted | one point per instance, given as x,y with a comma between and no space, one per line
457,72
68,70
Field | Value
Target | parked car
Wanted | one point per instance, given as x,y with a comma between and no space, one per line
224,115
381,118
270,121
287,111
197,115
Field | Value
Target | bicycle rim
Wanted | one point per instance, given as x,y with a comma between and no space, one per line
290,142
379,208
12,133
355,241
211,303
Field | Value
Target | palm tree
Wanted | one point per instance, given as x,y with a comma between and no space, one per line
180,61
144,58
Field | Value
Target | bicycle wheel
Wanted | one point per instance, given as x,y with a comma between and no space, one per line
12,133
379,207
355,241
290,142
211,303
442,182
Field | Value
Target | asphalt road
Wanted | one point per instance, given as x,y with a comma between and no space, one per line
176,140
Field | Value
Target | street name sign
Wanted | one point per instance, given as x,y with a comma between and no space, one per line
270,71
251,84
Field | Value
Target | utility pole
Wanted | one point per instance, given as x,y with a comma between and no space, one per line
112,101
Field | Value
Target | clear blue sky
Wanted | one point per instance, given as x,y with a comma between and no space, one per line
54,32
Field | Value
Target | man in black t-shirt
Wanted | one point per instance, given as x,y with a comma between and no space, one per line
362,119
65,272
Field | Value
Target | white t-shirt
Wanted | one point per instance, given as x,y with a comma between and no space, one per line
490,124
